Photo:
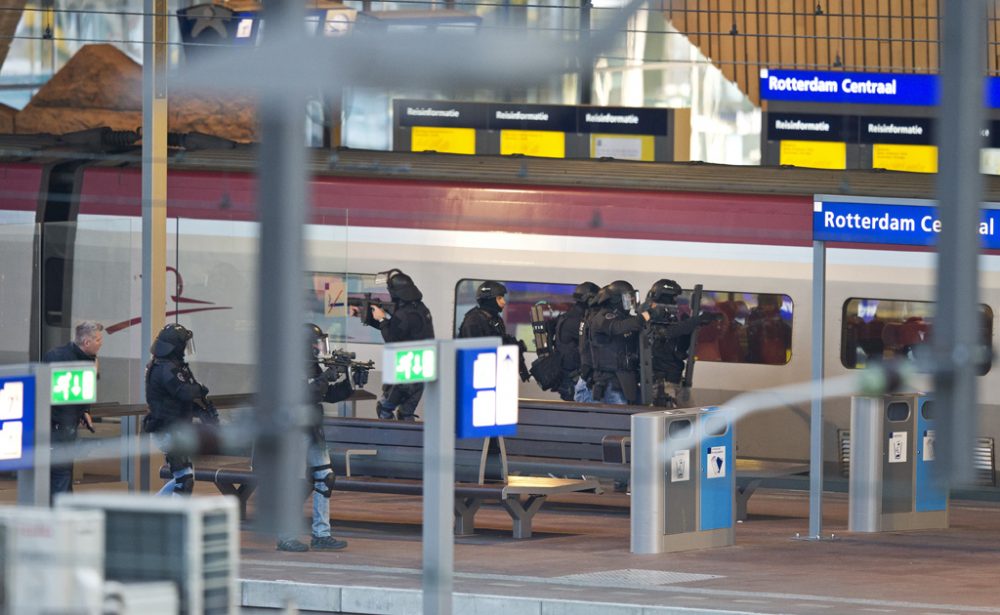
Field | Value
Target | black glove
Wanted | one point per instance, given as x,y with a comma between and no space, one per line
658,313
204,389
706,317
359,376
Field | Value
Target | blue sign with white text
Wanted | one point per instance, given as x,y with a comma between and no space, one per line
486,389
859,88
907,225
17,422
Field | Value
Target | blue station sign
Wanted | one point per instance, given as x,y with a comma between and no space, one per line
858,88
486,389
17,422
887,223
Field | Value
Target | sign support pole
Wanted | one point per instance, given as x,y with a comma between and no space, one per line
816,416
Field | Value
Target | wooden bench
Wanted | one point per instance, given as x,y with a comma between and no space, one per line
371,455
576,439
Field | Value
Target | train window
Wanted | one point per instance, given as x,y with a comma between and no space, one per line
880,329
329,297
521,296
754,328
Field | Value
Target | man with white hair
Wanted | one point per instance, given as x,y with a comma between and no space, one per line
66,419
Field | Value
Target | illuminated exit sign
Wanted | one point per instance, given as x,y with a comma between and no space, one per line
413,364
74,386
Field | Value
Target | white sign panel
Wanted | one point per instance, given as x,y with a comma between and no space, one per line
929,436
680,466
495,379
716,465
897,447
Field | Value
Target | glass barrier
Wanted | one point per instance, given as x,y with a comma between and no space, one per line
18,294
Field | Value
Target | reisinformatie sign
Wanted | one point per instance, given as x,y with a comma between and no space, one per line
17,422
892,224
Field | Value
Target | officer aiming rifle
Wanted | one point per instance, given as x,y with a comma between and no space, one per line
667,344
343,363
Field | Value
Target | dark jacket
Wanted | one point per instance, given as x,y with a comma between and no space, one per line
480,322
670,348
614,345
171,390
566,338
410,321
66,419
321,390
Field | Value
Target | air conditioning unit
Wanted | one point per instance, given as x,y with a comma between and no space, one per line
192,541
52,561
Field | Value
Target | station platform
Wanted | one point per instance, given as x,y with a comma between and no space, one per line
578,563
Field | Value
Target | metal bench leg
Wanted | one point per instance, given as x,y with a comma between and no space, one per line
465,515
522,513
742,497
243,493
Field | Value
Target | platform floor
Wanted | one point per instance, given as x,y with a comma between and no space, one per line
578,562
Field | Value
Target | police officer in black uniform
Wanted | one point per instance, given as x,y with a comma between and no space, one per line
174,398
484,320
66,420
409,320
670,339
612,332
566,339
324,385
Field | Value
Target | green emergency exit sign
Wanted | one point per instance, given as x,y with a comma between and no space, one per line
74,386
412,365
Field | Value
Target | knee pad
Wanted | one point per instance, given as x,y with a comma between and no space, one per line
323,480
184,484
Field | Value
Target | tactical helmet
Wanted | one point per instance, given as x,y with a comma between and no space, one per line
618,294
585,292
319,341
172,341
664,291
401,287
490,290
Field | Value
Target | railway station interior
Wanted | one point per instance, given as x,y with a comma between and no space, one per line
611,307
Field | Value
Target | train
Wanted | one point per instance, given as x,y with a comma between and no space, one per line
70,249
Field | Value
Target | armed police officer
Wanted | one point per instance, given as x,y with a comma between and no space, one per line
324,385
484,320
407,320
174,398
613,336
566,338
66,420
669,337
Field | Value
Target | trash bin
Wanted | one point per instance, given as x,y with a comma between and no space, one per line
682,480
892,482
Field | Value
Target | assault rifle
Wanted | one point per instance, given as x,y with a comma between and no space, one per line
343,363
364,305
205,410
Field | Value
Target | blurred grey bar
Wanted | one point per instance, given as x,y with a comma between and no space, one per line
960,188
154,203
278,458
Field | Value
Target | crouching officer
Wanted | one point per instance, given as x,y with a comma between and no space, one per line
324,386
485,320
613,334
408,320
174,398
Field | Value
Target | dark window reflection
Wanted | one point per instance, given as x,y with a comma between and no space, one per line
880,329
755,327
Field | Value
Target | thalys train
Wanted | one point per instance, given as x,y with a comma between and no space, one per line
70,249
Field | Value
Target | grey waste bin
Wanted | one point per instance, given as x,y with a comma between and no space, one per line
892,483
682,480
